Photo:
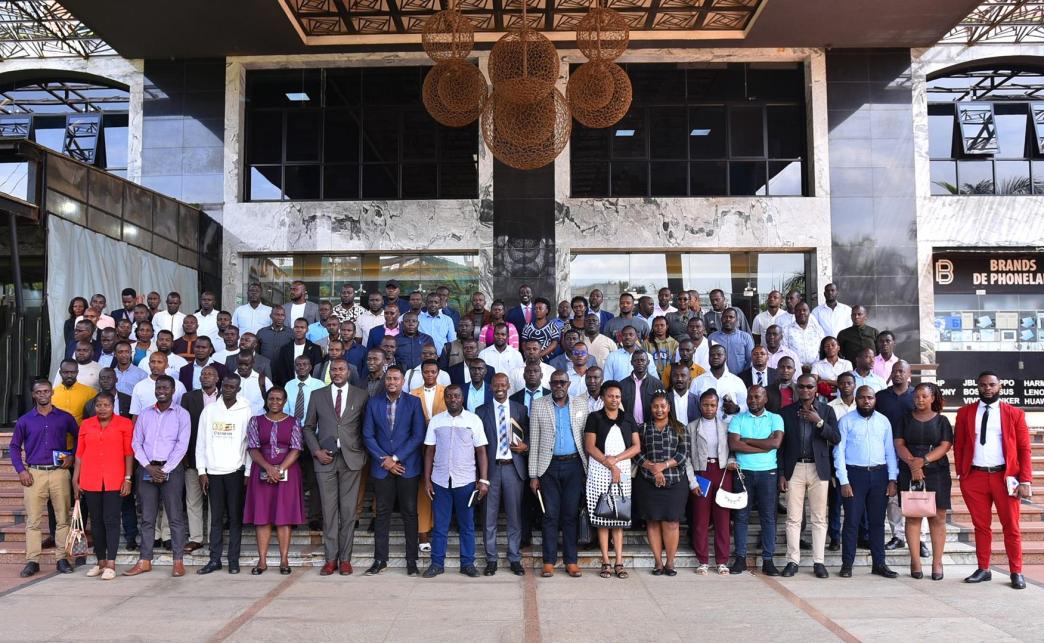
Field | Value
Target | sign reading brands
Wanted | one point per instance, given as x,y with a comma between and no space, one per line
993,272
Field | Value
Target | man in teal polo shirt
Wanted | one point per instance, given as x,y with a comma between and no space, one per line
754,436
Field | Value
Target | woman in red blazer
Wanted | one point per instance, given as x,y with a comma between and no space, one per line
984,480
102,475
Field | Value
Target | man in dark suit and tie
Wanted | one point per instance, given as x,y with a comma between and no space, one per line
636,391
283,369
393,432
333,434
502,420
685,406
522,314
190,373
759,372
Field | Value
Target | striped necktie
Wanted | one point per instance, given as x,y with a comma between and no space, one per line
502,422
299,406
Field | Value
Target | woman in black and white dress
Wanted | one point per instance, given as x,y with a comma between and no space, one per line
611,440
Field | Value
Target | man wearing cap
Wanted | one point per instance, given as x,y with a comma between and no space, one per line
393,294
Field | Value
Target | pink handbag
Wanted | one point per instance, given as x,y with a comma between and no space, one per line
917,504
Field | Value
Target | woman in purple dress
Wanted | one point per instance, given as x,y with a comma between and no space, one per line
274,491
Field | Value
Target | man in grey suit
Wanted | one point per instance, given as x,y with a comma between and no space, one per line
502,420
333,433
557,467
299,306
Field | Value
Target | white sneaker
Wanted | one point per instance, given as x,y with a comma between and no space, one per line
108,573
702,570
723,570
425,547
94,571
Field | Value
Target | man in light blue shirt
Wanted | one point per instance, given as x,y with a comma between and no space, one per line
867,471
253,315
618,363
127,374
477,392
738,343
317,330
438,326
864,371
754,436
300,388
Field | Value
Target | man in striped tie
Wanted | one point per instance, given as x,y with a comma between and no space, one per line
506,423
298,392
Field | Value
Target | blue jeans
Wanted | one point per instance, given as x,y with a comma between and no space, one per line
761,493
561,486
443,506
871,497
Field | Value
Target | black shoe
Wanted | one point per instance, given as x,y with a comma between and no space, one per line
863,544
377,567
64,567
30,569
820,570
470,571
132,546
411,569
670,571
432,571
804,544
285,571
738,566
80,561
924,551
895,543
372,527
883,571
918,575
834,545
490,570
233,568
789,570
315,525
980,576
937,575
167,545
517,569
1018,582
768,568
156,544
846,571
210,567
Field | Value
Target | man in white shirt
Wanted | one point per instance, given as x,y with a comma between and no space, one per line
253,385
832,315
89,369
804,335
170,319
165,345
223,465
206,318
772,314
144,394
598,345
415,376
663,303
731,391
229,344
500,356
773,342
253,315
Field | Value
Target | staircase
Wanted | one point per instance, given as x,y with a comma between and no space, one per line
307,550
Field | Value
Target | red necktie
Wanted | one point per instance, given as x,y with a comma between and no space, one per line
337,403
525,311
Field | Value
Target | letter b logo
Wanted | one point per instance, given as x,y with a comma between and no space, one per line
944,272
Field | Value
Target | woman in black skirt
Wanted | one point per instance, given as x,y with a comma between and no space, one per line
661,489
922,442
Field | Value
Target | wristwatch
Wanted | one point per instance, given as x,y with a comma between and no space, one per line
819,425
485,482
127,478
395,458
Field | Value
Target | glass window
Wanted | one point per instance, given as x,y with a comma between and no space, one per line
266,183
704,272
747,178
746,131
940,131
1012,177
785,178
707,132
708,178
944,177
630,179
302,135
668,137
976,177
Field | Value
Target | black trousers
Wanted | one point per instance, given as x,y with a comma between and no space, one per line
105,507
388,491
226,497
313,509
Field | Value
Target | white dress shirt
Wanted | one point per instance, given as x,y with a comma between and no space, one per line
518,382
415,378
165,321
727,384
804,341
504,361
250,320
208,326
990,454
681,407
833,320
428,398
764,319
144,394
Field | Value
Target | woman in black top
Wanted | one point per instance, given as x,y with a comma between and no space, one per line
922,442
76,307
661,489
610,440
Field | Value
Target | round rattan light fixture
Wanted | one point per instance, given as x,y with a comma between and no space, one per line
602,34
448,35
454,93
592,105
523,66
526,136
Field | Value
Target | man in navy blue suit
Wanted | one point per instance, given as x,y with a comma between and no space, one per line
685,406
523,313
393,432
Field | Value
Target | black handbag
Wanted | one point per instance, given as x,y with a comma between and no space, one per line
613,506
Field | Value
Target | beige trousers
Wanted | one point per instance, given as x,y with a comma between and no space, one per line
53,485
805,482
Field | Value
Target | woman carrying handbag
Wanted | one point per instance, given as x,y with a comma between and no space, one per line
611,440
922,442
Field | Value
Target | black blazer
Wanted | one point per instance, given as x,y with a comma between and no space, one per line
262,364
456,374
748,377
487,413
193,403
649,384
283,367
520,397
823,440
693,412
185,374
122,399
775,400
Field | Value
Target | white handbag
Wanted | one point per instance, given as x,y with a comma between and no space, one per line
731,499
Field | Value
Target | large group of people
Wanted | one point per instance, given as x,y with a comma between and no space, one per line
568,419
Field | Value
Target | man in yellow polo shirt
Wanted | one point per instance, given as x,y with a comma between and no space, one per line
70,395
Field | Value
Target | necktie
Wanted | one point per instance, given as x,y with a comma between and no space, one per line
529,315
299,403
529,400
639,414
391,417
337,403
982,425
503,448
761,379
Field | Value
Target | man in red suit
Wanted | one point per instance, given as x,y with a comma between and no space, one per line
992,444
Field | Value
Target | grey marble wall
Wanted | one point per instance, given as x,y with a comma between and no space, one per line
873,208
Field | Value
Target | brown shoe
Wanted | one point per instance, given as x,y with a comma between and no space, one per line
548,571
329,568
192,546
140,567
178,570
574,570
346,568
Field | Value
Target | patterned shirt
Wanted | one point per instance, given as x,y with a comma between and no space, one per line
804,341
347,313
254,437
549,333
660,446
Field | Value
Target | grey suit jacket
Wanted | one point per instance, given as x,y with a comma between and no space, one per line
311,312
323,427
542,432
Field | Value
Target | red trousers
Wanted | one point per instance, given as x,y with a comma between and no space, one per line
982,490
705,510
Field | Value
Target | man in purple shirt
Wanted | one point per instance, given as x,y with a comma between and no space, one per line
37,435
161,437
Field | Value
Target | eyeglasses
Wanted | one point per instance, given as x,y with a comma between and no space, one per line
559,382
579,353
806,386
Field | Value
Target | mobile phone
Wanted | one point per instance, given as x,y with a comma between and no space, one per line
282,478
474,495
